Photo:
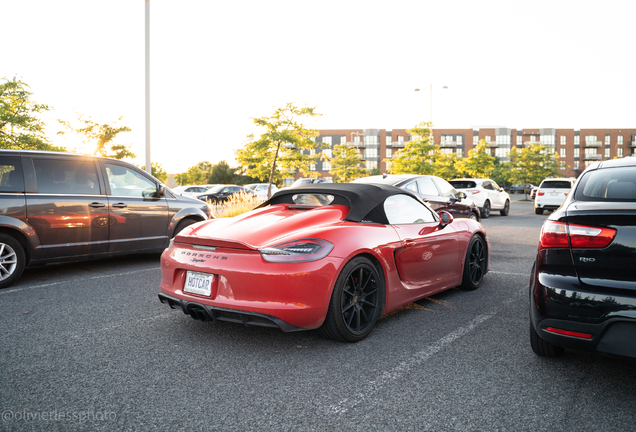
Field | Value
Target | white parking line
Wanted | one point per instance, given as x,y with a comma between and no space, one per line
372,387
70,280
509,274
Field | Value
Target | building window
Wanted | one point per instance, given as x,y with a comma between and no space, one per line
619,152
562,165
326,166
503,140
590,152
475,140
488,139
590,139
563,152
389,152
607,139
607,152
460,152
576,165
576,152
371,152
548,140
577,140
312,167
400,139
372,165
327,140
343,140
620,140
501,152
519,140
371,140
564,140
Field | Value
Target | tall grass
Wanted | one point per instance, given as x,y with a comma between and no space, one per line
235,205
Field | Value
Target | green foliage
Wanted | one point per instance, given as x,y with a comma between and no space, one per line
280,149
445,166
502,173
207,173
20,127
222,173
100,136
479,163
345,164
157,171
533,163
417,156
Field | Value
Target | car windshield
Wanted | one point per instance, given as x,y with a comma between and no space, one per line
463,184
614,184
216,189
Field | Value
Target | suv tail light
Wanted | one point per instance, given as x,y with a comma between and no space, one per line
562,235
540,193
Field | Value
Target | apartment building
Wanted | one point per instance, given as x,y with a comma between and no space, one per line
576,148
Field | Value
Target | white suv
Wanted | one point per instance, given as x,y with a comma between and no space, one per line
551,193
485,193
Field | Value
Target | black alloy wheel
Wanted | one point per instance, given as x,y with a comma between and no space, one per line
485,211
506,209
475,264
356,303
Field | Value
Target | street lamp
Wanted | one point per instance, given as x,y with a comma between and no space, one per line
445,87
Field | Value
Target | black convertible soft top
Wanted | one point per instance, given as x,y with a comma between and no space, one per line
364,200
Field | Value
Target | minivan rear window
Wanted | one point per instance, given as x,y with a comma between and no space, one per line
611,184
11,174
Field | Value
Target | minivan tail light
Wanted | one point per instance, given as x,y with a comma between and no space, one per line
562,235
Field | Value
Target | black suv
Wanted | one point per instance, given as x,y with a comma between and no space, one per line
436,191
60,206
583,284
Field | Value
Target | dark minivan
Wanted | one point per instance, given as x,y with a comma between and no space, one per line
58,206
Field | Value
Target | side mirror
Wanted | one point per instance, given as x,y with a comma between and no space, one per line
161,192
462,195
445,218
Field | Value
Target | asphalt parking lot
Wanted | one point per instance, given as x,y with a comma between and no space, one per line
88,346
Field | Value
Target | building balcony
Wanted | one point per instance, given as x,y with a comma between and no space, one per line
592,157
355,143
594,144
632,143
527,143
448,144
398,143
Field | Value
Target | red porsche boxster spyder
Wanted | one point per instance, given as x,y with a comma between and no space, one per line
329,256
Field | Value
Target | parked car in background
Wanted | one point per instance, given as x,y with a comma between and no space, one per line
304,181
485,193
220,193
516,188
58,206
194,191
583,283
331,256
260,189
440,194
551,194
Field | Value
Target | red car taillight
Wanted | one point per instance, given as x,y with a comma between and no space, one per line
540,193
304,250
562,235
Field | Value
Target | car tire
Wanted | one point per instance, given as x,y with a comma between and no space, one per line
12,260
506,209
543,348
474,216
475,264
485,210
181,225
538,211
357,302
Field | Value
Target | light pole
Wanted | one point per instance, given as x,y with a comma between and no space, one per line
445,87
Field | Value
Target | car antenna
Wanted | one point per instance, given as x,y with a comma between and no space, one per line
384,175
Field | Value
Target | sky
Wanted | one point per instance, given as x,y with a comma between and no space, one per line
215,65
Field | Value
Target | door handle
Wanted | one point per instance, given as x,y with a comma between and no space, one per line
408,242
97,205
120,205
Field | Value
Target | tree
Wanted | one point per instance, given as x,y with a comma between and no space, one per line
222,173
502,173
282,146
157,171
20,127
417,156
345,164
533,163
101,136
479,163
445,166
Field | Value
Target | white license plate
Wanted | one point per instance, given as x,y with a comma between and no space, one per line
554,193
198,283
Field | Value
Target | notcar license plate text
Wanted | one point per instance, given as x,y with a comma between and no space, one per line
198,283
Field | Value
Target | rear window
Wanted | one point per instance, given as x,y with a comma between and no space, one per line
612,184
556,184
463,184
